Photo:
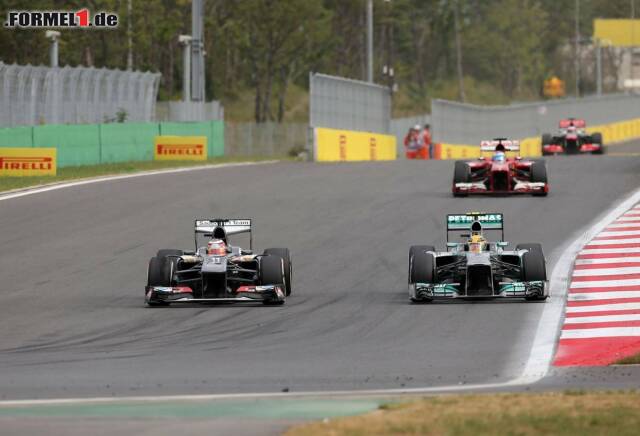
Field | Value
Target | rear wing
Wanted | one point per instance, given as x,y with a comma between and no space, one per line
230,227
462,222
509,145
580,124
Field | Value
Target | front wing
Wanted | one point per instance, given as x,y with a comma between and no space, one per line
521,187
450,291
559,149
244,294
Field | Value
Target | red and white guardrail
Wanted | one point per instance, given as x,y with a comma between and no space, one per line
602,316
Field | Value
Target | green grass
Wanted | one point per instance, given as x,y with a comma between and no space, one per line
71,173
592,413
630,360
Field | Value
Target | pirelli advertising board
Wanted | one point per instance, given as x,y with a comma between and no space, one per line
332,145
21,162
180,148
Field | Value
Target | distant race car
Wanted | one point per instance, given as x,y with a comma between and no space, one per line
572,139
499,174
475,267
217,271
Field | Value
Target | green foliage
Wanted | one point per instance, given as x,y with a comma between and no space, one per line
267,47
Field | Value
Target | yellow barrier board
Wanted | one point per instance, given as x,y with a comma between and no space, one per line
21,162
331,145
180,148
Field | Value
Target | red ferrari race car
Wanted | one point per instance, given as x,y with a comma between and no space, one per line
499,174
572,139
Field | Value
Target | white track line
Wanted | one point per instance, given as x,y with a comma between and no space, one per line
604,260
602,318
607,295
606,271
61,185
623,225
614,241
610,251
536,367
603,307
603,332
619,233
603,283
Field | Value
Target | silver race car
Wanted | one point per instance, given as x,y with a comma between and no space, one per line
475,267
217,271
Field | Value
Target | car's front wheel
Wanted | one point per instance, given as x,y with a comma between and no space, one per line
157,276
285,255
272,273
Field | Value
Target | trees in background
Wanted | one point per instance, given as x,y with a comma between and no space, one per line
486,50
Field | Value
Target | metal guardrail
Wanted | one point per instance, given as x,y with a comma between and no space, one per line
31,95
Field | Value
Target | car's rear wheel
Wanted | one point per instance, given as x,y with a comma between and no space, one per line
546,140
157,276
533,266
285,255
539,174
596,138
272,273
461,174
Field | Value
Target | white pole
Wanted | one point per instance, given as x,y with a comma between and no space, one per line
599,66
370,41
129,38
577,47
185,40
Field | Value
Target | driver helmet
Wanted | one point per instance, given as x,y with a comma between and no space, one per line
499,156
476,243
417,127
216,247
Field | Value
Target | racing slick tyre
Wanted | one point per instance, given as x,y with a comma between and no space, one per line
533,266
546,140
288,267
539,174
156,276
421,268
169,252
272,273
461,174
419,249
596,138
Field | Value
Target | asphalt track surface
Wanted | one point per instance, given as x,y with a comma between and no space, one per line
73,266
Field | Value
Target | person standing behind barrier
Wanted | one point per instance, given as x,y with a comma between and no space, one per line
414,144
428,143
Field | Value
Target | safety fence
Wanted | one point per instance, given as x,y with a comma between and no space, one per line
531,147
31,95
189,111
457,123
264,139
91,144
349,119
340,103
